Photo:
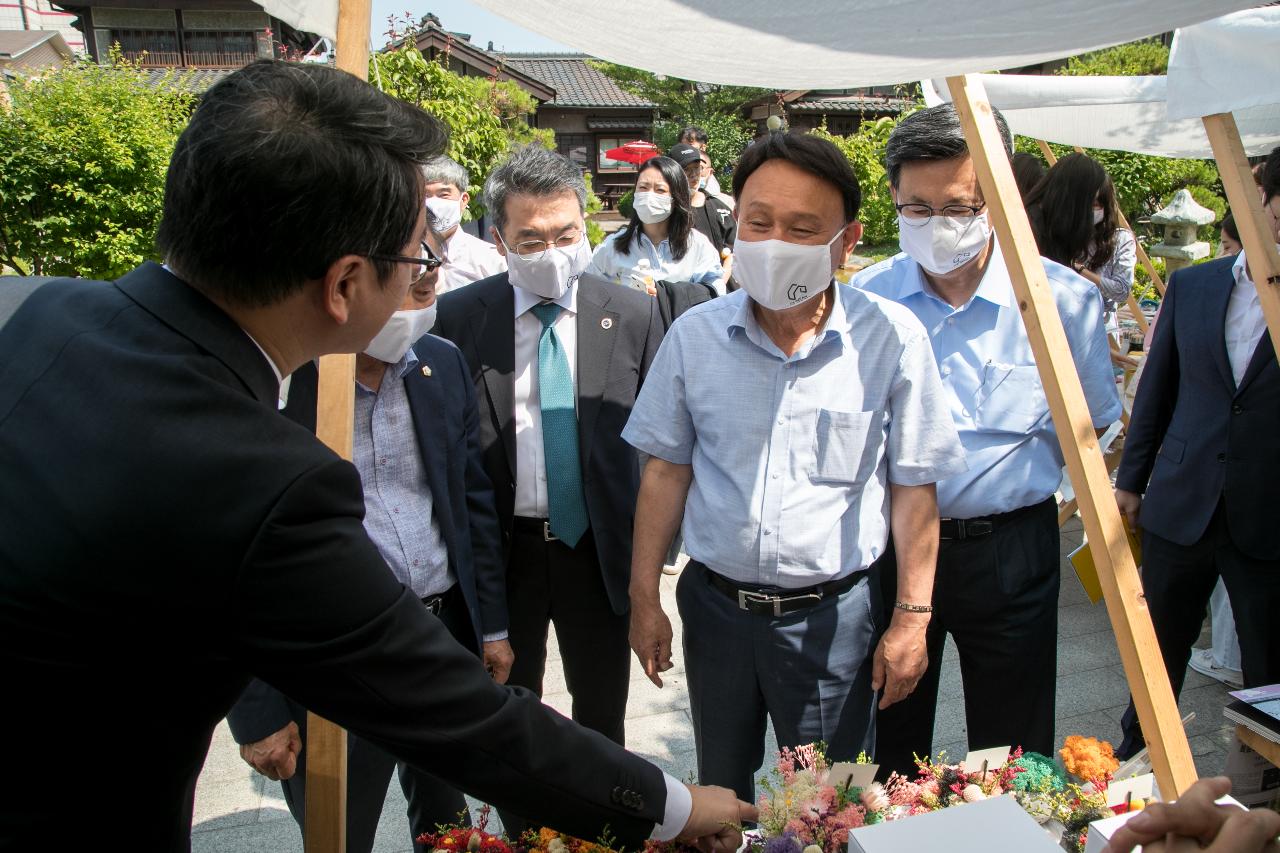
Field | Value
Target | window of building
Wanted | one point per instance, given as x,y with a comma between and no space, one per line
603,144
575,146
150,47
220,48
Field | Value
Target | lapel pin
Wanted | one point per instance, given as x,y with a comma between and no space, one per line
426,370
606,323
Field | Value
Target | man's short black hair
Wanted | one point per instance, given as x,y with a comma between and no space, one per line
286,168
934,133
814,155
1271,175
692,133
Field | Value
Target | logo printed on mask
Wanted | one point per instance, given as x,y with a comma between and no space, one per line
796,292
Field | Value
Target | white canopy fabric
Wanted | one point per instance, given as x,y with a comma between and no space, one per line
1230,63
823,44
1116,113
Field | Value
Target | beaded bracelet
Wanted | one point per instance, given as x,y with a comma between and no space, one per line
913,608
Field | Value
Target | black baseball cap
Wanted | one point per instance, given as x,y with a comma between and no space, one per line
684,154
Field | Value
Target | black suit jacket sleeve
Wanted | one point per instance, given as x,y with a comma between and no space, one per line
482,515
260,712
319,617
1153,406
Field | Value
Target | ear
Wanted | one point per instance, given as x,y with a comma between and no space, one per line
339,286
466,200
497,241
852,235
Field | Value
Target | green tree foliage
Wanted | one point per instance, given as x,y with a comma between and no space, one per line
83,156
727,136
676,97
485,116
865,151
1124,60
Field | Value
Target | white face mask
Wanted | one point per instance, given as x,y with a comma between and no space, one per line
401,332
551,275
778,274
446,213
1097,216
944,243
652,207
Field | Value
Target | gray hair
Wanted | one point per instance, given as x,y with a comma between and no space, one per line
933,134
532,170
445,171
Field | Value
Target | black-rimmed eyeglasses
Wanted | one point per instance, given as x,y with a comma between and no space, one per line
423,264
919,214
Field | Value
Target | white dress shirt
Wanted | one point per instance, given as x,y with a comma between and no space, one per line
469,259
1245,323
531,470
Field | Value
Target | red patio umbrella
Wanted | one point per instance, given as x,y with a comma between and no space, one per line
633,152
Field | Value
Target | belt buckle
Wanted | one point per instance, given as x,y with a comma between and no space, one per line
981,527
547,535
747,597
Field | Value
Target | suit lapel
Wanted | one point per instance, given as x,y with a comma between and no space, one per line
597,332
427,406
493,329
1216,334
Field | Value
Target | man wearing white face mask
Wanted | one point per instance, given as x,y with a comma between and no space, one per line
997,582
429,510
558,356
797,424
470,258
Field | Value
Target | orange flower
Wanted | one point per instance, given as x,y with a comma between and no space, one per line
1088,758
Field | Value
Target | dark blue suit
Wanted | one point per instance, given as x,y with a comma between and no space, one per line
1206,456
442,404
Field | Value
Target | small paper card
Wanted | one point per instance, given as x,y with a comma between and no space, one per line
1140,787
995,758
854,775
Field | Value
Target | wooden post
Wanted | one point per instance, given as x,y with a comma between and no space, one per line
1144,667
1134,307
1251,221
326,791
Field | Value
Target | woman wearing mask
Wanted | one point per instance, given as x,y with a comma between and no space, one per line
659,243
1074,217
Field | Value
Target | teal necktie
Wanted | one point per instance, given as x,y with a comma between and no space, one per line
567,505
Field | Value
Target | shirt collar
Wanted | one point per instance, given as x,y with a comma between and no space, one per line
525,300
1239,271
995,287
400,369
837,325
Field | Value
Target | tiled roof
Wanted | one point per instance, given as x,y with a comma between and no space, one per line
197,80
618,123
14,43
848,103
577,84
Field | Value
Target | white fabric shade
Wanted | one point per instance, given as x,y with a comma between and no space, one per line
823,44
1230,63
1117,113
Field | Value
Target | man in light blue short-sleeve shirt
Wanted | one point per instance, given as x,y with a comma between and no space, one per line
795,423
997,580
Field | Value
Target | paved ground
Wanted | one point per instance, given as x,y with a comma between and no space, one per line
237,810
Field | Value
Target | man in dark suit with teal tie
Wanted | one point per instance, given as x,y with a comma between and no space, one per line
558,358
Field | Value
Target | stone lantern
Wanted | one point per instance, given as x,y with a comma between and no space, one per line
1181,219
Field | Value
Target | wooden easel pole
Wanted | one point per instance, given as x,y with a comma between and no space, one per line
325,829
1257,235
1134,307
1144,667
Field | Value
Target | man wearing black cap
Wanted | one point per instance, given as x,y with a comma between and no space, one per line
710,215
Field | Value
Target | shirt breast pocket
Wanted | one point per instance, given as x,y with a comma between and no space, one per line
1011,399
842,451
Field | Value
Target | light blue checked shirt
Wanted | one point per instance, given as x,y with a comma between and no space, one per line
398,507
792,456
993,388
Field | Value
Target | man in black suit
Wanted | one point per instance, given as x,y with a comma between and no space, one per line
558,358
165,534
1201,460
429,510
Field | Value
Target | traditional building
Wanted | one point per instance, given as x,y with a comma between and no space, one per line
843,110
32,51
33,15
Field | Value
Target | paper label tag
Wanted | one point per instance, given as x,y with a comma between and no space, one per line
1142,787
995,758
854,775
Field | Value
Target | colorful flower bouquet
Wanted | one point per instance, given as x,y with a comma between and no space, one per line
804,810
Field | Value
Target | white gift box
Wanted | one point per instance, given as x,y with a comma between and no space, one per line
996,825
1100,831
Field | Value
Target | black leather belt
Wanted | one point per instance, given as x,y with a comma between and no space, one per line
435,603
772,601
536,526
972,528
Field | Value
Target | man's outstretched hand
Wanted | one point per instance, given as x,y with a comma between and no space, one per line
715,823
